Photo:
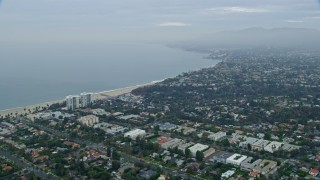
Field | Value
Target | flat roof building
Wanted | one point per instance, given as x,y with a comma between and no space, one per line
183,147
73,102
172,143
135,133
217,136
85,99
221,156
236,159
265,166
260,144
227,174
208,153
273,146
89,120
249,163
197,147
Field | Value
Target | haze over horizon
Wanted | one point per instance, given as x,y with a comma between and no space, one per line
45,21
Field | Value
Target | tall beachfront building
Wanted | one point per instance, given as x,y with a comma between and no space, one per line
73,102
86,99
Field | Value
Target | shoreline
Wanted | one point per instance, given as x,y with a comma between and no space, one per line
96,96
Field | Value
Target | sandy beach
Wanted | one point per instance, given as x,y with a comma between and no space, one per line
96,96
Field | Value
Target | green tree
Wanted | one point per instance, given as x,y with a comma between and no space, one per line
199,156
187,153
116,165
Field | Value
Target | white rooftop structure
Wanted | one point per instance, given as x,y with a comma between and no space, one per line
236,159
227,174
217,136
135,133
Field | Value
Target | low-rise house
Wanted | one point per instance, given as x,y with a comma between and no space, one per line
314,172
227,174
254,174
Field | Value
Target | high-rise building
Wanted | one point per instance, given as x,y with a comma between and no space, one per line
86,99
73,102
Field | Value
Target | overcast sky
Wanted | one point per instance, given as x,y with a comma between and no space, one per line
151,20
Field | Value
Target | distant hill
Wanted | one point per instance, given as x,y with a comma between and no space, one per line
297,38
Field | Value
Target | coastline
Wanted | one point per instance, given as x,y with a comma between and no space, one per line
96,96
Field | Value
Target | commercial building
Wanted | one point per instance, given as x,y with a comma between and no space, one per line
247,141
197,147
260,144
86,99
273,146
289,147
265,166
183,147
217,136
89,120
221,156
167,126
249,163
172,143
135,133
236,159
110,128
73,102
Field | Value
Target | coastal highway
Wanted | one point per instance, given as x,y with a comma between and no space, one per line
100,147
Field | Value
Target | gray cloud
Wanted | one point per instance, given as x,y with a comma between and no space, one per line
172,24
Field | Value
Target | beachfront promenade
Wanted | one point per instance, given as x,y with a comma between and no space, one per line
96,96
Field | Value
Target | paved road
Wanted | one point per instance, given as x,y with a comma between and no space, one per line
26,165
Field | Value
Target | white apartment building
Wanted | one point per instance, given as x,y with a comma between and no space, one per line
86,99
135,133
89,120
73,102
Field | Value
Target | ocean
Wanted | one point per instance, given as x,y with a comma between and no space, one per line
37,73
